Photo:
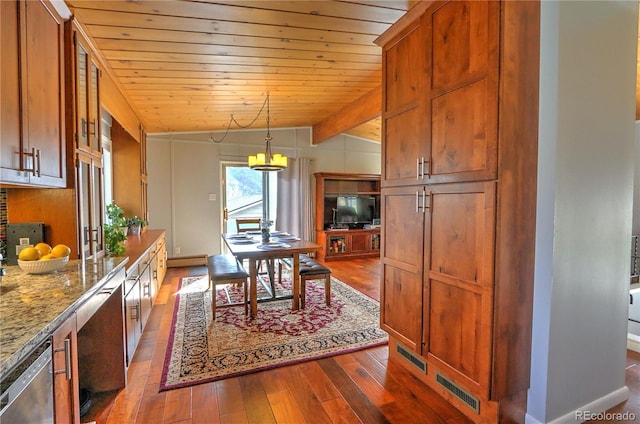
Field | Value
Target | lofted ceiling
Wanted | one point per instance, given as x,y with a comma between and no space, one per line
190,65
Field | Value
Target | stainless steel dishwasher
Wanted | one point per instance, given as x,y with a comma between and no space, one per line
27,392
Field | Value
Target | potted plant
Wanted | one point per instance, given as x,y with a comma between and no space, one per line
135,225
114,234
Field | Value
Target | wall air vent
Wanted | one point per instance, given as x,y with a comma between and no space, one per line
458,392
411,357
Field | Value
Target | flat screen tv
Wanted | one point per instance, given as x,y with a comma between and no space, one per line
355,210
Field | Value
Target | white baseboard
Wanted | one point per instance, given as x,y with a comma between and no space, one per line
633,342
528,419
593,408
195,260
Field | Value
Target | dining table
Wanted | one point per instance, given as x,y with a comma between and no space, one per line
250,247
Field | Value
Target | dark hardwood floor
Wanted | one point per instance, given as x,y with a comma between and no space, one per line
361,387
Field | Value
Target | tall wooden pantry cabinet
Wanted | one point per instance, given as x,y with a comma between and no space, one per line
459,160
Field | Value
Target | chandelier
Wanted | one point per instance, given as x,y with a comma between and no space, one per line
260,161
266,161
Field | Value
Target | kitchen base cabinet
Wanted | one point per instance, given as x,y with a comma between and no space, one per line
88,350
162,260
147,292
144,275
79,318
132,320
154,264
138,302
65,373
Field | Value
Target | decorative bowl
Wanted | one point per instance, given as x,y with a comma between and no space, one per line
43,267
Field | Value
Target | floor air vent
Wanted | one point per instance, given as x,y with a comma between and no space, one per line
458,392
411,357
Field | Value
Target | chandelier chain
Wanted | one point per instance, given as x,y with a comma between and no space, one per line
239,125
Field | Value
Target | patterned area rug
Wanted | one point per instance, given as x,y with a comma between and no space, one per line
201,350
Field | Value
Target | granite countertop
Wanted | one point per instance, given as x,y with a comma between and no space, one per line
33,306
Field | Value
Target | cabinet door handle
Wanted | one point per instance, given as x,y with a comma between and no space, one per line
424,205
67,359
35,161
37,164
98,231
136,307
33,169
421,164
426,201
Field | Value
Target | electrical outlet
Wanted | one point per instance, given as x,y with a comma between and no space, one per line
212,196
176,250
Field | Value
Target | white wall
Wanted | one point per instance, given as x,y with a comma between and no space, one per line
585,195
183,169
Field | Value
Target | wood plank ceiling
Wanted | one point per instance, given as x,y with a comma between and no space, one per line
190,65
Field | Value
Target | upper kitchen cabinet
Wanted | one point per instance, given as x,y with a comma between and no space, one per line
32,148
440,113
84,92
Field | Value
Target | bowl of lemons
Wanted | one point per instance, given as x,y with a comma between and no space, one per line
43,259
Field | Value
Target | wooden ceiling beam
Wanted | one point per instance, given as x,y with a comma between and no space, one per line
360,111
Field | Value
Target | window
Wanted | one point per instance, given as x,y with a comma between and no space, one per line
247,194
106,157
